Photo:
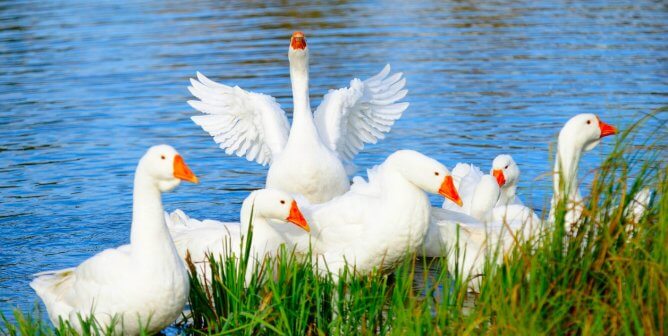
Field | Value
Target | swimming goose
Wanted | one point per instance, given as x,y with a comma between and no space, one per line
142,284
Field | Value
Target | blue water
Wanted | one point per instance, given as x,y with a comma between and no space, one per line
86,87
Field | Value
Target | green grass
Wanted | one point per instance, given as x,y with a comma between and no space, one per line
607,276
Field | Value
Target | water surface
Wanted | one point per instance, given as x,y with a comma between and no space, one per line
86,87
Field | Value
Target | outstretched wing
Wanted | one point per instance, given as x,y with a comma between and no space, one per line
248,124
349,117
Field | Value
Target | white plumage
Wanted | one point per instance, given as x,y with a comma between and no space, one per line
247,124
349,117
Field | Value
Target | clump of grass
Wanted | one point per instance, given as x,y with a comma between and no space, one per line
282,295
32,324
25,324
608,275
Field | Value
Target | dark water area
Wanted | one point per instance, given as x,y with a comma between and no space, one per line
87,87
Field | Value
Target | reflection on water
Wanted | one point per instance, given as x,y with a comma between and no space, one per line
86,87
431,280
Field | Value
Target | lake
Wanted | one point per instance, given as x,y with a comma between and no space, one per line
87,87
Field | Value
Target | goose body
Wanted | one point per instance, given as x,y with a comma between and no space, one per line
140,285
485,219
376,223
486,208
311,156
267,209
464,240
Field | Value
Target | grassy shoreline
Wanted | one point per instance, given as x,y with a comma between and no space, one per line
608,276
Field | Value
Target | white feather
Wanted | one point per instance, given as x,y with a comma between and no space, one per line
349,117
247,124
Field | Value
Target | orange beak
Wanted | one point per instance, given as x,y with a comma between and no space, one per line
606,129
297,218
449,191
297,41
500,178
181,170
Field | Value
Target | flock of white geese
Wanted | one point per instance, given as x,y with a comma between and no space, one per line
309,201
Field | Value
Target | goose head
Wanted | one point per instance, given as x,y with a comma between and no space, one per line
297,41
164,165
584,131
271,204
426,173
298,51
505,170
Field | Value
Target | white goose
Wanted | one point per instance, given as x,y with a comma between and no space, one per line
581,133
495,202
310,160
467,176
376,223
507,174
143,284
268,210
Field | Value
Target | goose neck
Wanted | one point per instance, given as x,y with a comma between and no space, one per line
249,215
263,233
149,235
406,210
401,191
508,193
302,118
485,197
565,170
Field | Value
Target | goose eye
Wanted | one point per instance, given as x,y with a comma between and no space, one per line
162,157
506,167
282,201
588,122
436,173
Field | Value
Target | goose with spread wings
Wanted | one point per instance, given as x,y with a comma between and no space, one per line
311,156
